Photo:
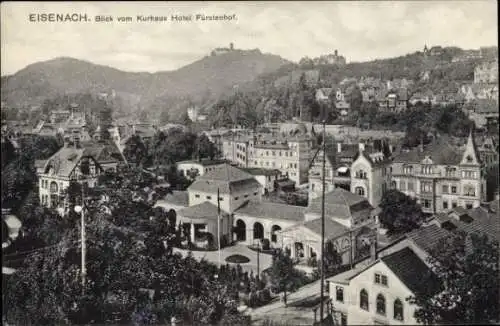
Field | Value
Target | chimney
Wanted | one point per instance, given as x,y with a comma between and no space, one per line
361,147
339,147
373,246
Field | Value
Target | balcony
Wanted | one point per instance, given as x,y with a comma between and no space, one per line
432,175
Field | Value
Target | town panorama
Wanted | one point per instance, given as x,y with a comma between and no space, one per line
249,189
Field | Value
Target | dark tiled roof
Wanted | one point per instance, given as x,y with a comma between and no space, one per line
204,210
426,238
65,160
481,220
332,229
412,271
343,204
272,210
227,178
441,152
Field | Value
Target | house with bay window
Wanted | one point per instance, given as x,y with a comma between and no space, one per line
69,164
441,176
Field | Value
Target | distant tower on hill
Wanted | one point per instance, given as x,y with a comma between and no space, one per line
336,52
426,50
231,46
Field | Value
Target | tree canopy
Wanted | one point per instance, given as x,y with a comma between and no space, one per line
400,213
468,266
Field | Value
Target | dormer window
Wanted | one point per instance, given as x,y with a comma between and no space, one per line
469,159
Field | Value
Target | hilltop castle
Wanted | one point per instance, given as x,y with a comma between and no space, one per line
219,51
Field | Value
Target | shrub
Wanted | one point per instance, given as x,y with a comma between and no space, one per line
312,262
237,259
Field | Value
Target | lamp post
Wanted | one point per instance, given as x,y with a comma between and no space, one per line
258,260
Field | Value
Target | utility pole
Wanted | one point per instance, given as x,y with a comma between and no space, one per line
81,210
218,224
323,183
258,261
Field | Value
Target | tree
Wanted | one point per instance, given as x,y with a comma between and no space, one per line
135,150
284,276
468,266
400,213
205,148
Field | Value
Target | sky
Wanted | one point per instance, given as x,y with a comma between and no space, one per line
360,31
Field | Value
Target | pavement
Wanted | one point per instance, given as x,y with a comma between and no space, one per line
299,310
265,260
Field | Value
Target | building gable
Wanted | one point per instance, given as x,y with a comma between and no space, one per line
470,155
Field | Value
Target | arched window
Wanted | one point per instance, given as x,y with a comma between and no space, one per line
393,185
360,191
380,304
398,310
53,187
363,300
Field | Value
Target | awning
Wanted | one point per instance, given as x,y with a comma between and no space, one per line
343,169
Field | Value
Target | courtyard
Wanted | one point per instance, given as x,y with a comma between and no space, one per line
265,260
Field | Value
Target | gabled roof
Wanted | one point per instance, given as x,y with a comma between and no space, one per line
333,229
440,152
179,198
426,238
65,160
412,271
226,179
326,91
341,204
272,210
205,210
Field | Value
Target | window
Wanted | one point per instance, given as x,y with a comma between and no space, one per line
407,169
246,196
340,294
398,310
445,189
255,194
267,153
469,159
380,304
361,174
209,197
236,198
427,203
450,172
469,190
454,204
53,187
274,153
363,300
221,198
312,186
453,189
468,206
360,191
445,205
402,185
377,278
426,187
427,169
410,186
384,280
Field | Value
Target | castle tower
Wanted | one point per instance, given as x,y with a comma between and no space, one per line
426,50
231,46
336,52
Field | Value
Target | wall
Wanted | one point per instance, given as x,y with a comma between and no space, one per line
228,202
365,280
